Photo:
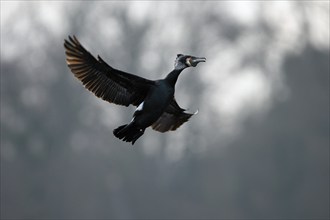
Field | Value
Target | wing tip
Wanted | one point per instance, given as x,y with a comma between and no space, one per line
194,113
72,40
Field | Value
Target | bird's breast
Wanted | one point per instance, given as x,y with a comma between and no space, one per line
158,98
154,105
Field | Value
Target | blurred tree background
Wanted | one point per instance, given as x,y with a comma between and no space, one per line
259,147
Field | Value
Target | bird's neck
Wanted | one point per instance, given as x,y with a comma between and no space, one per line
172,77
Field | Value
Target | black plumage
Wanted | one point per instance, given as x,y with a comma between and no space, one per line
155,99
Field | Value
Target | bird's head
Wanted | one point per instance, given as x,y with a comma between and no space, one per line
184,61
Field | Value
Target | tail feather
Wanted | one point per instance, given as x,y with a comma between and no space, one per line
128,132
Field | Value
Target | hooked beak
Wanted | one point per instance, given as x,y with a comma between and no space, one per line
195,60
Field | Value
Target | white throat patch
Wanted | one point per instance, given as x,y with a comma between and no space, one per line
188,61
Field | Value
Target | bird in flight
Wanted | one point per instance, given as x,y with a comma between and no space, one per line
156,105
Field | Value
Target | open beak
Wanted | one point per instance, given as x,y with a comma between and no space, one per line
195,60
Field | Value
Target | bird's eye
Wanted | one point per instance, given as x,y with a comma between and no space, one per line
179,55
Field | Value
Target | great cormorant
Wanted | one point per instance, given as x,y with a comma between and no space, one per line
156,105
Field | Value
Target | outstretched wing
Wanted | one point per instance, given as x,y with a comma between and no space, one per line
105,82
172,118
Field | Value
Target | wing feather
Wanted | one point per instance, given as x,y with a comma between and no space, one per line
105,82
172,118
